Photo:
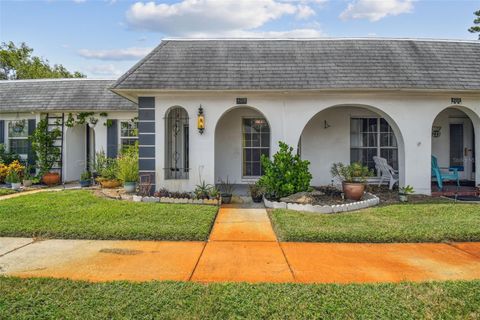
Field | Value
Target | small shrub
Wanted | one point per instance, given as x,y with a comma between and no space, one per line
7,157
85,176
128,164
354,172
286,174
256,190
105,167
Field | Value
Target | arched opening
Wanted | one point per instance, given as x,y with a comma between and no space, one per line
177,161
242,136
453,152
351,133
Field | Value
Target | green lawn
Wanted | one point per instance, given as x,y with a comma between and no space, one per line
78,214
428,222
4,191
63,299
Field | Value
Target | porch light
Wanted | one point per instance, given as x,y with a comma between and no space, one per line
201,120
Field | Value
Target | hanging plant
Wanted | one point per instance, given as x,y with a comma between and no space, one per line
82,117
108,123
103,114
93,120
70,120
18,126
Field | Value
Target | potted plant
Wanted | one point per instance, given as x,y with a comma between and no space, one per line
256,192
48,153
403,193
27,177
226,190
128,168
202,190
353,177
14,179
107,171
85,179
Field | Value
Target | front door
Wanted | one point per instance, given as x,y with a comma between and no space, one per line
461,150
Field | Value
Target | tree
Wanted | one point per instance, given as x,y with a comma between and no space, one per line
19,63
476,28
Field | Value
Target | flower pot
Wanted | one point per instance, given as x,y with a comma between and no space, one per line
85,183
110,184
226,198
257,199
16,185
353,190
403,197
27,183
51,178
130,187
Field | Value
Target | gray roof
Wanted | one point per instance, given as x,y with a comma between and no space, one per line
307,64
60,94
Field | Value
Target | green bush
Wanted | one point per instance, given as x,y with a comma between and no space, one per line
43,143
286,174
128,164
7,157
105,167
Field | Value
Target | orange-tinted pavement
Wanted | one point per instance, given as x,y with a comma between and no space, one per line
242,247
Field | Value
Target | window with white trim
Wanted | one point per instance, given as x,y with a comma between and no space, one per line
128,133
18,137
255,143
371,137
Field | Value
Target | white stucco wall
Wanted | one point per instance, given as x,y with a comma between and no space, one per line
411,115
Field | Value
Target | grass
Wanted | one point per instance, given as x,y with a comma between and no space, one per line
428,222
64,299
4,191
78,214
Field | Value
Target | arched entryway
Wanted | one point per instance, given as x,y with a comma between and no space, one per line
350,133
454,151
242,135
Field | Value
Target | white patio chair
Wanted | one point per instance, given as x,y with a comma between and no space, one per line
387,173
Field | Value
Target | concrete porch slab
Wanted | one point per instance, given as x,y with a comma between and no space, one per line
104,260
9,244
356,263
242,261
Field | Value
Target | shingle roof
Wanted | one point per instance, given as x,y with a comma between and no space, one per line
307,64
60,94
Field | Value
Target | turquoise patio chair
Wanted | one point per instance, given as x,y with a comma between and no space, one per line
451,175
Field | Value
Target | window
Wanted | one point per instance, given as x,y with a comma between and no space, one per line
255,142
18,138
128,133
176,144
371,137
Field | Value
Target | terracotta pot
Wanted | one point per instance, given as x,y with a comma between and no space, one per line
110,184
51,178
353,190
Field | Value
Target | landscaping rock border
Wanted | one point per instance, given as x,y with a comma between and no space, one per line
369,200
212,202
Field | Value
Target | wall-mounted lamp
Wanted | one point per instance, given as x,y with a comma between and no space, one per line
436,131
326,125
200,120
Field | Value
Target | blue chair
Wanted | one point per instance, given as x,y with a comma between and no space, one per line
440,176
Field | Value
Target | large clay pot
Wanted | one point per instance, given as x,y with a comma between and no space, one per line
51,178
110,184
353,190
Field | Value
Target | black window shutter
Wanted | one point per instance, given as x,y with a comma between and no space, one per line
2,131
32,124
112,139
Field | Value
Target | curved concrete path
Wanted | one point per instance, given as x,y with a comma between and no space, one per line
242,247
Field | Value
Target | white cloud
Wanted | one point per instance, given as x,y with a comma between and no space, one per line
105,70
133,53
295,33
212,17
79,1
375,10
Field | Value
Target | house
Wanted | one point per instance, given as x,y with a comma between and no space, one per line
107,119
333,99
208,109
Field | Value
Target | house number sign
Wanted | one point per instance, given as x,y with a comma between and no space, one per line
241,100
456,100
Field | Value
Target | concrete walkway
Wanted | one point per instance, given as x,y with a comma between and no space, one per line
242,247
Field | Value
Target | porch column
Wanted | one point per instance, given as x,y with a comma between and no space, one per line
418,149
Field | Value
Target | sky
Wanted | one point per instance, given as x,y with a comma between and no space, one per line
104,38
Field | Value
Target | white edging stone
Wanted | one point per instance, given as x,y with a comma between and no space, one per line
369,200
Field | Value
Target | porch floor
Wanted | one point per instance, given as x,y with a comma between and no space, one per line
452,190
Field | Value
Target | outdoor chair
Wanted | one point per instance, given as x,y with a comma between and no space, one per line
448,174
387,173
